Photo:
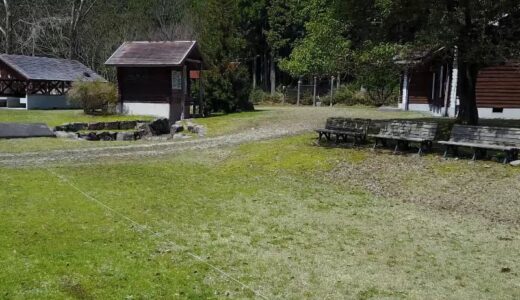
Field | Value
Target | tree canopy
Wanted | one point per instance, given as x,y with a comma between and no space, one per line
285,39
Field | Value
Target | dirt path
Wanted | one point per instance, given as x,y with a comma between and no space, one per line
148,149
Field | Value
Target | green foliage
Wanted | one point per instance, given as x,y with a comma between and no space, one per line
258,96
94,96
227,90
377,72
350,94
323,50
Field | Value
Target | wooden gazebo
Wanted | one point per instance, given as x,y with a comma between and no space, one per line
39,82
154,78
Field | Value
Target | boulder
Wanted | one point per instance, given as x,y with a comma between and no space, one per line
160,126
112,125
96,126
127,125
107,136
515,163
125,136
175,128
143,129
91,136
75,127
66,135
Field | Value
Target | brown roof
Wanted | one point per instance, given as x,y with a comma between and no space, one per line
46,68
172,53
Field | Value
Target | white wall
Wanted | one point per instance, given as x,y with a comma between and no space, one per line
47,102
161,110
436,111
508,113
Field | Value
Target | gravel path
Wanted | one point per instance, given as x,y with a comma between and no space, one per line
148,149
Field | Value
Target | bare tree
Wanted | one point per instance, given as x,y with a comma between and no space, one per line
7,28
80,9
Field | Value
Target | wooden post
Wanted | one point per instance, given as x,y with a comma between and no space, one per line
338,80
331,90
272,74
314,93
184,90
299,92
404,101
446,92
254,72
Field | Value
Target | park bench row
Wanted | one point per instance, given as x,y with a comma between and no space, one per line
478,138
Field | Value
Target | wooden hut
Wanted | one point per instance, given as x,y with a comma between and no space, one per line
154,77
430,85
33,82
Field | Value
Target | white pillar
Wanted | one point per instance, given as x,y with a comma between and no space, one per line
454,82
405,94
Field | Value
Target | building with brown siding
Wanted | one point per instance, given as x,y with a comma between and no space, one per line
153,77
430,85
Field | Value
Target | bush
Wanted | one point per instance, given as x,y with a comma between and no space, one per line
94,96
259,96
354,94
227,89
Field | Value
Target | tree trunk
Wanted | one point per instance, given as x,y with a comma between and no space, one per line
468,112
7,31
254,72
272,74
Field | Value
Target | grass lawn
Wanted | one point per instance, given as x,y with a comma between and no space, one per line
285,218
217,125
58,117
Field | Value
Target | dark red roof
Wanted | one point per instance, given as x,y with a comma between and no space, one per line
173,53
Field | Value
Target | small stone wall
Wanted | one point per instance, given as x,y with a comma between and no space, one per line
135,130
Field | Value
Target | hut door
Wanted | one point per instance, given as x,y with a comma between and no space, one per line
176,97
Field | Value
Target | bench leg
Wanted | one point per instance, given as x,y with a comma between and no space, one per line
375,144
446,151
396,149
421,146
511,156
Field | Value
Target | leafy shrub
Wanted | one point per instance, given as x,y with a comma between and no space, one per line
94,96
227,89
259,96
354,94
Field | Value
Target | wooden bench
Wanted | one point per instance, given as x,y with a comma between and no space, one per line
406,132
481,138
342,128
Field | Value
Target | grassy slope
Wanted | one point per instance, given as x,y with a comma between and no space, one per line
267,213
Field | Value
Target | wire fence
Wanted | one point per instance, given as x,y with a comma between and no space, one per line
303,93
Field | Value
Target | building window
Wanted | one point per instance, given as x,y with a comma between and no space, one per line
498,110
176,80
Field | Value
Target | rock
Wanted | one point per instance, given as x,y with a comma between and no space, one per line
126,136
160,126
143,129
60,128
126,125
515,163
112,125
66,135
176,128
72,127
91,136
107,136
96,126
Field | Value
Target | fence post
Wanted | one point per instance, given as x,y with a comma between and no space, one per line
314,93
331,90
298,95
